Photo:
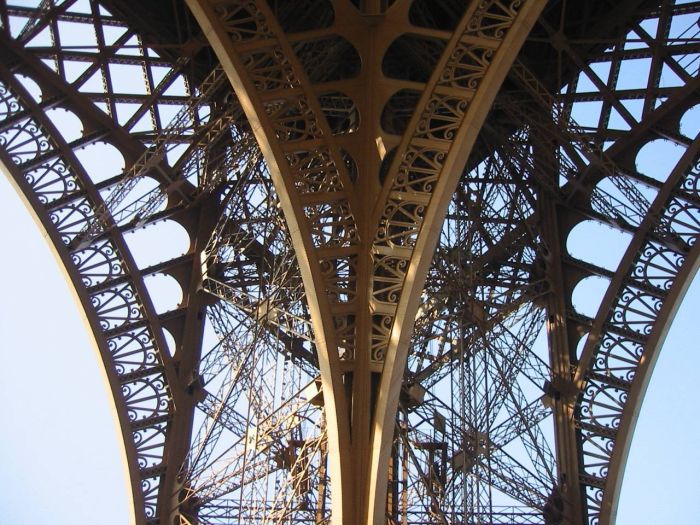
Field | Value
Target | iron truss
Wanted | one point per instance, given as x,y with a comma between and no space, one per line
378,199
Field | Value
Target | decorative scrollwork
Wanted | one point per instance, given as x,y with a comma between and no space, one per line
243,20
132,354
420,170
636,311
52,181
71,218
402,223
381,329
149,489
441,118
467,66
657,265
422,162
345,334
602,404
294,121
597,450
691,183
98,263
619,357
340,276
150,443
314,171
116,307
493,18
9,105
482,306
681,221
145,397
313,165
133,351
269,70
24,141
331,224
671,228
388,279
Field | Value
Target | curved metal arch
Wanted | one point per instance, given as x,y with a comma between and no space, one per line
289,126
582,207
161,440
644,373
110,291
95,335
637,310
628,332
171,496
599,491
487,40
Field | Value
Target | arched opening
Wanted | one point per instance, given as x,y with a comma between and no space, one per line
588,294
586,239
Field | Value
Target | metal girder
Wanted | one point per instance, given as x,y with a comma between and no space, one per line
124,324
263,68
377,198
420,183
614,366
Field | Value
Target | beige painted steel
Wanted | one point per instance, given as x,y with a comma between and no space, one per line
367,470
425,245
360,434
338,427
655,342
99,344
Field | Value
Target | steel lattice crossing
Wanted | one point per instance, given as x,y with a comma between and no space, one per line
379,197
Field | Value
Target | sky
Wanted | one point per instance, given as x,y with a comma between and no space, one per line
59,448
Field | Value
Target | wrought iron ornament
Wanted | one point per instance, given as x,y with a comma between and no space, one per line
379,200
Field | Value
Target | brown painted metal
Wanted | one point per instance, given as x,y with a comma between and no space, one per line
377,198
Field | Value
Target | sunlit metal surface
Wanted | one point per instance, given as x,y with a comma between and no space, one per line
379,200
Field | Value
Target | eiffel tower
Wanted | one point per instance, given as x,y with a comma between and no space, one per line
380,200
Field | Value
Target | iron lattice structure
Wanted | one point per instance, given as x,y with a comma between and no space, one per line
379,197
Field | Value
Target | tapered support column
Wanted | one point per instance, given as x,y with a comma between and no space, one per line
387,250
414,200
312,183
360,312
565,500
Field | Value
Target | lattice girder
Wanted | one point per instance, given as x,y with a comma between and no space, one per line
107,283
263,68
357,339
